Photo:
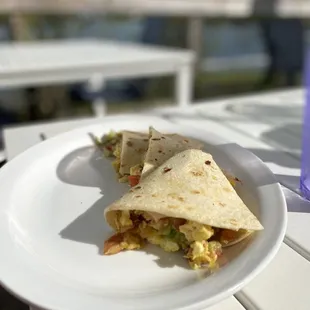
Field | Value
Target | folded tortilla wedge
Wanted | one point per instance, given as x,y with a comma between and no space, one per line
134,151
187,203
162,147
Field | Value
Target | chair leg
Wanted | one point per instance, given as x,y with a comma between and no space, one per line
184,85
95,85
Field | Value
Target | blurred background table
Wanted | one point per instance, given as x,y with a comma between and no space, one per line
94,61
195,10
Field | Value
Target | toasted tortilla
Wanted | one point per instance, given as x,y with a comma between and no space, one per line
162,147
191,186
133,150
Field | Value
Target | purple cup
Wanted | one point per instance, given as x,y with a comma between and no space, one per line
305,157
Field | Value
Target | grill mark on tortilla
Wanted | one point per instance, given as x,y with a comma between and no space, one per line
134,189
166,169
129,143
233,222
238,180
176,196
208,162
222,204
197,173
195,192
173,207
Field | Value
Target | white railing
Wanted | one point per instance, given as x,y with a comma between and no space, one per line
213,8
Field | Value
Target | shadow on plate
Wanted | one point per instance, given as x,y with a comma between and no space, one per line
290,141
257,110
87,167
164,259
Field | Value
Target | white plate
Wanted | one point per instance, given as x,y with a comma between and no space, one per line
52,229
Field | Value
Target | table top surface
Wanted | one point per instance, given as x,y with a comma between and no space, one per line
269,125
17,58
214,8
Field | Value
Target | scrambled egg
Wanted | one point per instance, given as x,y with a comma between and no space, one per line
194,231
165,243
136,170
190,236
109,142
161,237
112,147
122,221
117,153
203,253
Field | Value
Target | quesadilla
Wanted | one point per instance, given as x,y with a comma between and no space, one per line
137,153
162,147
186,204
128,148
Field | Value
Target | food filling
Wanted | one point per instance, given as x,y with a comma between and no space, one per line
111,144
202,244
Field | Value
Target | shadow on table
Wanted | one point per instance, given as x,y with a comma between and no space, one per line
290,181
296,203
278,157
281,158
257,110
291,140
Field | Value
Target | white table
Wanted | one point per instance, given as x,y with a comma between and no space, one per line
269,126
196,10
213,8
94,61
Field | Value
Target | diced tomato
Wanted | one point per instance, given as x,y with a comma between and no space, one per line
229,235
113,244
133,180
109,147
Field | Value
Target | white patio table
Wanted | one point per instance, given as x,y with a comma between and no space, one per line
94,62
268,125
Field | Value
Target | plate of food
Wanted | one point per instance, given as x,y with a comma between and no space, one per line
134,212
